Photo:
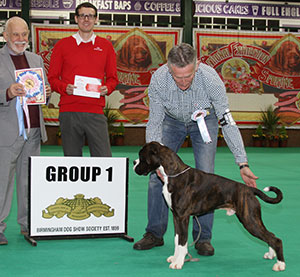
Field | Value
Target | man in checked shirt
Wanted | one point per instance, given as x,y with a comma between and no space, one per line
176,91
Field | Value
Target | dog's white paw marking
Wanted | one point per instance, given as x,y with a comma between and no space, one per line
279,266
176,265
170,259
271,254
177,260
230,212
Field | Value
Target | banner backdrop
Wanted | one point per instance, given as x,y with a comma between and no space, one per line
264,67
130,99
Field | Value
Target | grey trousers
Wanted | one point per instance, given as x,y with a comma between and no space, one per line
14,162
76,127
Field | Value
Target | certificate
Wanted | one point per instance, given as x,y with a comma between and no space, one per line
34,84
86,86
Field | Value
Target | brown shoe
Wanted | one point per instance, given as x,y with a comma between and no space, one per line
205,248
24,232
148,241
3,240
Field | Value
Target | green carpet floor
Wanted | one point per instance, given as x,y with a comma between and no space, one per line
236,252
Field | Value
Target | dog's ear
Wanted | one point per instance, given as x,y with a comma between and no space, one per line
151,155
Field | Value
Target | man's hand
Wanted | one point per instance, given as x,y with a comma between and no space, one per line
16,89
103,90
248,177
70,89
48,91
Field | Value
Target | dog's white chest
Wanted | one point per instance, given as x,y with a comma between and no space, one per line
165,191
167,195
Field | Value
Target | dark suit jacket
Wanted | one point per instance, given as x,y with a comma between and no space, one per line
8,115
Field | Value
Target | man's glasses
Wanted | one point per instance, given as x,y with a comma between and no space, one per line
88,16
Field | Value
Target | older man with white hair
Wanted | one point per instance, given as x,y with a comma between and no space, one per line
17,146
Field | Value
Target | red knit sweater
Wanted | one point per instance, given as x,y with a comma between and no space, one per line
69,59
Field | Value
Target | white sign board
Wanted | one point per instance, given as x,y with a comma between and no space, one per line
76,196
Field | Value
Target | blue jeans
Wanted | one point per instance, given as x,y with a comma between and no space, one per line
174,133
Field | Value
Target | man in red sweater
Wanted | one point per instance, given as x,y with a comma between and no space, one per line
87,55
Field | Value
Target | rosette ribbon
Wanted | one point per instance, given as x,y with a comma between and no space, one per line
21,104
199,117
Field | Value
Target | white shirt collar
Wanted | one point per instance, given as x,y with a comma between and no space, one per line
79,38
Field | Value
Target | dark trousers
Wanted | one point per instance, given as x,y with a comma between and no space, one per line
77,127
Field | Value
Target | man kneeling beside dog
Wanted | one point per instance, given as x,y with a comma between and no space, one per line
178,90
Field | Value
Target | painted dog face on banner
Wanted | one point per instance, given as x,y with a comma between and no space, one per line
286,59
134,55
138,56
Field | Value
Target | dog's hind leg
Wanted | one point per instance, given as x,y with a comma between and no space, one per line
181,234
254,225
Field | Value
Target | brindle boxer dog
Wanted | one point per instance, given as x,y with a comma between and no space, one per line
190,191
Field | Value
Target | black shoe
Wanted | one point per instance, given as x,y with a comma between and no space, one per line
205,248
147,242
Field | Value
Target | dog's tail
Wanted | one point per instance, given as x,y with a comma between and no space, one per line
266,198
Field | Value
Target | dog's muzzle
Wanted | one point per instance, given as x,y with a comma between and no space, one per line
135,163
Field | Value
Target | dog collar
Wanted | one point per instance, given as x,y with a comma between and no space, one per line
172,176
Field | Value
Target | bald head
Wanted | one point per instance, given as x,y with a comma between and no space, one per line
13,21
16,34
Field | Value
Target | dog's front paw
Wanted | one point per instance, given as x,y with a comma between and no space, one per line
175,263
279,266
170,259
271,254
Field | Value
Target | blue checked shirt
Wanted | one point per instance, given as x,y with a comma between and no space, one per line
207,91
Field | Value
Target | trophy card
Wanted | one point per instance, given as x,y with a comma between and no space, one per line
87,87
34,83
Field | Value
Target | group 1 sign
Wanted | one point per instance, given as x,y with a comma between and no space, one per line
77,196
